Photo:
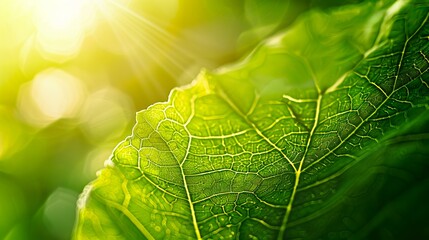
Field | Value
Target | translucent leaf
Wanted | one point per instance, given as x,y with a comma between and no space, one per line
260,13
314,135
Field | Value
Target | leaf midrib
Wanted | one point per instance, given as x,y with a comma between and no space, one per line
301,162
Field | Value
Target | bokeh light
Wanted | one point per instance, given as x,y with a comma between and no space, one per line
52,95
59,212
95,160
106,114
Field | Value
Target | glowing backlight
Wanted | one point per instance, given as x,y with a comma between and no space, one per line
61,26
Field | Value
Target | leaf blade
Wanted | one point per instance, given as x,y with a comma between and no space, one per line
244,151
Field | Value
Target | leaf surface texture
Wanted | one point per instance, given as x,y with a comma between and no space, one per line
290,142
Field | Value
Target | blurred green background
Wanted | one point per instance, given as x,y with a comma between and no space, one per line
74,72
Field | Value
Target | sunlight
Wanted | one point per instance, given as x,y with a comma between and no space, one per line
62,25
145,43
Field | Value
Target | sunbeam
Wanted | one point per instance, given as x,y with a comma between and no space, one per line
144,43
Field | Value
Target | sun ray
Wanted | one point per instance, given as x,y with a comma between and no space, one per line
154,36
146,46
150,86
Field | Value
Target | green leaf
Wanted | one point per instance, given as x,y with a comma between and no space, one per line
264,18
319,133
261,13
